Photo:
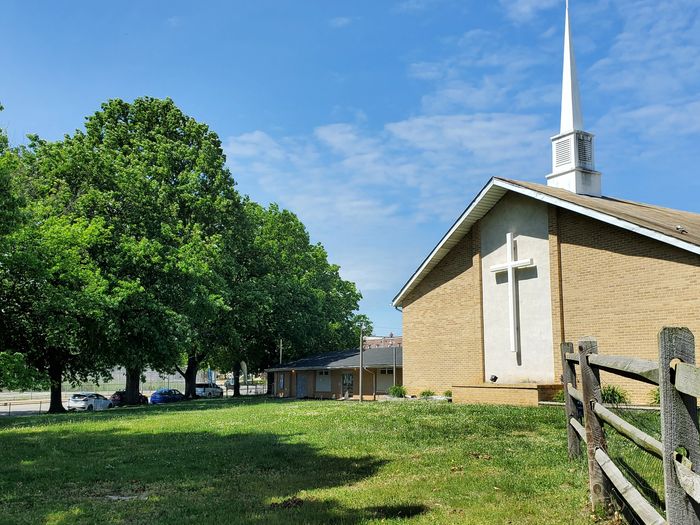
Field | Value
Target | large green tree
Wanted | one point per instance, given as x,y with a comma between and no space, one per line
55,299
177,229
52,292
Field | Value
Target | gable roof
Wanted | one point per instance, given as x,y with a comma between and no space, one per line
373,358
644,219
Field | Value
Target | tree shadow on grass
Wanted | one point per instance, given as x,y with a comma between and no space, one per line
64,476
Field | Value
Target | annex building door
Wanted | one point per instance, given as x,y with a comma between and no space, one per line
302,386
348,384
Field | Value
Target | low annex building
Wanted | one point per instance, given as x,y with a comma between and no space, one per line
336,375
528,266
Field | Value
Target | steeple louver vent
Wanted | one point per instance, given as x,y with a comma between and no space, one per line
585,150
562,152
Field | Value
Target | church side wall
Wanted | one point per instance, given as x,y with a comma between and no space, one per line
442,328
622,288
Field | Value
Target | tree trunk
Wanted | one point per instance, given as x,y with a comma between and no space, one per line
133,385
237,379
56,378
190,376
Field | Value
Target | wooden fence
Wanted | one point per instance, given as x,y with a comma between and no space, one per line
679,385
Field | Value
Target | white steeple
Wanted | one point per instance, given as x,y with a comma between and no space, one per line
571,119
573,165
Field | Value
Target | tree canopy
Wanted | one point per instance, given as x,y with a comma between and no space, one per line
127,244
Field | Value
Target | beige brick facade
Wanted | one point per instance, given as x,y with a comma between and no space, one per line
622,288
493,394
606,282
442,323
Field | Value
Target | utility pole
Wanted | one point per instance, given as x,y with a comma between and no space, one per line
362,361
280,350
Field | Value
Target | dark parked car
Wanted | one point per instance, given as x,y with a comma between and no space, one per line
119,398
166,395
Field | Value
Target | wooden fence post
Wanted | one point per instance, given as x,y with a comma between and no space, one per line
679,424
569,376
595,437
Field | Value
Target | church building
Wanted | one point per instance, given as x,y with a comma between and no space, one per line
528,266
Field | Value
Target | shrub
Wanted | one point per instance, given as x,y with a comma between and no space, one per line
397,391
427,393
614,395
655,396
447,393
559,397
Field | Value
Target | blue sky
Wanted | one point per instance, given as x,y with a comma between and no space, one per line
376,121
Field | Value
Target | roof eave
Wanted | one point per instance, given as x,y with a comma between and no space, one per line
474,212
306,368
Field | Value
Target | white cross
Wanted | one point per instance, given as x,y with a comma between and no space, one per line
510,267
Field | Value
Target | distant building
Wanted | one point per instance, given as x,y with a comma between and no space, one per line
337,374
382,341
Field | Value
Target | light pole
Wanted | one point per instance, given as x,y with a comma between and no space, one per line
362,361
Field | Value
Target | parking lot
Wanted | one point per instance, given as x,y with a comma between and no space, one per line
26,403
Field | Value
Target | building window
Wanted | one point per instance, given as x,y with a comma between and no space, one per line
281,382
386,371
323,381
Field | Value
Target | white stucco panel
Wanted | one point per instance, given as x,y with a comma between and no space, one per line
528,221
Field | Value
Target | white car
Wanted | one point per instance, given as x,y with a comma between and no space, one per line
89,401
208,390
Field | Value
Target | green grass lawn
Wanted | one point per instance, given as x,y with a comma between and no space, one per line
266,461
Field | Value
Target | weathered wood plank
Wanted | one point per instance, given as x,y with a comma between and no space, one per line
639,369
571,356
687,379
641,507
595,436
578,427
631,432
576,394
679,425
690,481
569,379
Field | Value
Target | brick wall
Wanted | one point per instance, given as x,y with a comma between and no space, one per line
442,323
622,288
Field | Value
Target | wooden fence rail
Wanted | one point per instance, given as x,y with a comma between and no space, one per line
679,449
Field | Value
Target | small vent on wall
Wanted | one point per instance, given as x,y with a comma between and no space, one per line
585,149
562,152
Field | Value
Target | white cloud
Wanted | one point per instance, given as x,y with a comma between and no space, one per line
428,70
340,21
525,10
174,21
650,81
493,139
344,139
655,56
483,72
417,5
257,145
348,182
656,121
